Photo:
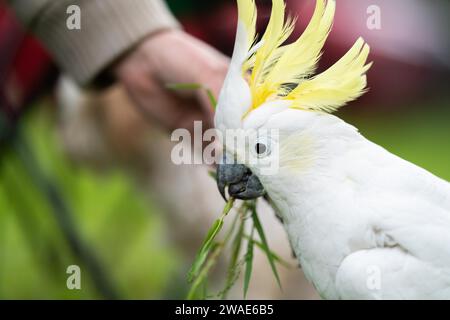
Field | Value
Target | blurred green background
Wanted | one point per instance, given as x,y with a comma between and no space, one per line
115,221
418,133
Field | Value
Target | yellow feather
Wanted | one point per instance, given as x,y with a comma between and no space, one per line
276,34
341,83
300,58
247,14
273,65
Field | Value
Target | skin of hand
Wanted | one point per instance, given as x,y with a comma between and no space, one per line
169,57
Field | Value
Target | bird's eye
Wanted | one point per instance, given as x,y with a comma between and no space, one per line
260,148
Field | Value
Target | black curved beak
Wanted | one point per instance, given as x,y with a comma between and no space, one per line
241,182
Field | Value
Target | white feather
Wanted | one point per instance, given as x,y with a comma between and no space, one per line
349,205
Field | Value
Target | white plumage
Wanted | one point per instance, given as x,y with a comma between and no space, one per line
353,211
364,223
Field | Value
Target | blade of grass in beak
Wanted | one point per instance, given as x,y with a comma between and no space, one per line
206,246
237,244
265,245
202,276
274,255
205,249
233,267
248,263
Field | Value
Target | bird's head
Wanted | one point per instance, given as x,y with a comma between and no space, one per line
271,107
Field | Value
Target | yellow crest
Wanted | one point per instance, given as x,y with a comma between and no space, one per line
275,71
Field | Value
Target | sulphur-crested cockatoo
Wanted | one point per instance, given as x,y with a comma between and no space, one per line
363,223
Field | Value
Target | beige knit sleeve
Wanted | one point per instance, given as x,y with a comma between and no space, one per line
108,29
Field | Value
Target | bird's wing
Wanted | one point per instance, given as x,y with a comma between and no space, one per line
390,273
413,208
410,214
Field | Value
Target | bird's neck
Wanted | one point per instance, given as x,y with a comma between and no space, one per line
327,170
314,206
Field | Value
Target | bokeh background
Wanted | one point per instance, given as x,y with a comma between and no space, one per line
85,180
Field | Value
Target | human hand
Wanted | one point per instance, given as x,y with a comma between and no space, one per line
169,57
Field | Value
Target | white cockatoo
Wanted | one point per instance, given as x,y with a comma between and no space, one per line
363,223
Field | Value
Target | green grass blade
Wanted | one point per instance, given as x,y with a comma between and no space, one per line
202,254
265,245
194,86
205,249
184,86
212,98
233,267
212,233
228,207
212,174
276,257
200,281
237,244
248,264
